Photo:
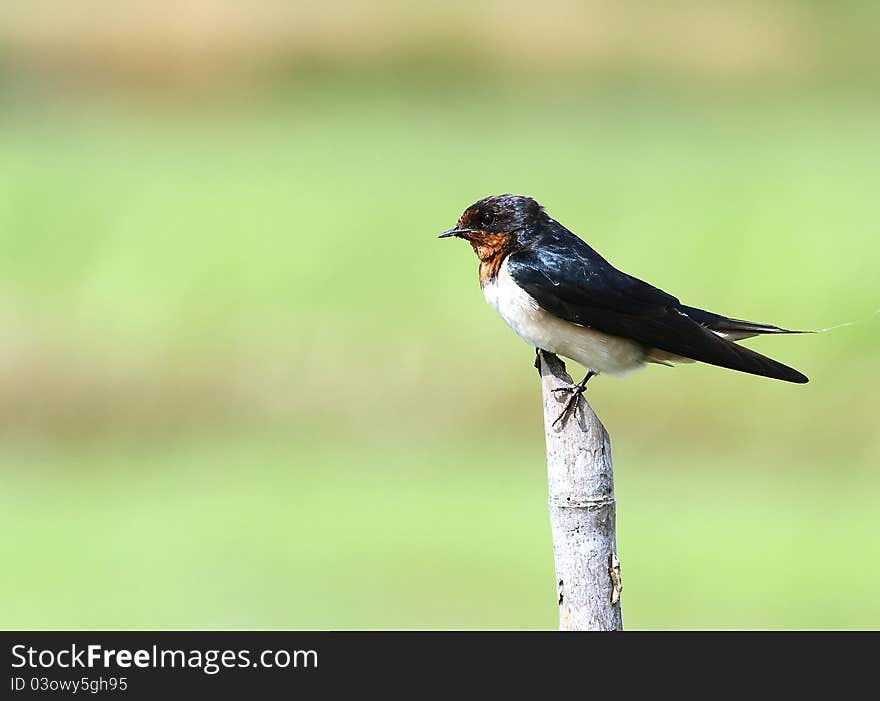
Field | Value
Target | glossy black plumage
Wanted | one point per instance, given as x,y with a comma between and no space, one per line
572,281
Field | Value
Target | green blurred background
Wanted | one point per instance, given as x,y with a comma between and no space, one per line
242,385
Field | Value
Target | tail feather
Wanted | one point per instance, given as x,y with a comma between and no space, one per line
739,326
738,357
733,329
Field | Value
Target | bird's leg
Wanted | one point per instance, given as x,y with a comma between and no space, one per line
538,360
576,393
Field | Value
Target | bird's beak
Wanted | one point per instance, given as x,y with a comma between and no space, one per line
455,231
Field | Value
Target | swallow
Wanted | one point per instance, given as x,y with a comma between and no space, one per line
560,296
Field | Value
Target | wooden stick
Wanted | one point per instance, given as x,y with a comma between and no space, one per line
582,507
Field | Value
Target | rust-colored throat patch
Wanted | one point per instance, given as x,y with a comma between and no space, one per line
491,249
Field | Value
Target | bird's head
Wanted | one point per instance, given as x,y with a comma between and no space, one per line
497,225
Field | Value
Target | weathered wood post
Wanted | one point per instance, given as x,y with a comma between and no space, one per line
582,508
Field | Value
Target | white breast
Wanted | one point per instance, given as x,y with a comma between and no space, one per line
594,350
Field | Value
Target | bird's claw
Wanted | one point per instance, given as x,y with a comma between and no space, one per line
576,392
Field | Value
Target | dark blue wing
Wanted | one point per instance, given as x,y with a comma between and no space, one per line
570,280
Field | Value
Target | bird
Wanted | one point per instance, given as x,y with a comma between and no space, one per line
560,296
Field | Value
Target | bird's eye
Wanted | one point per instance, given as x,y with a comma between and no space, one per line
487,219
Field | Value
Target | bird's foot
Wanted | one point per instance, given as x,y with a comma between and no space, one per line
576,392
